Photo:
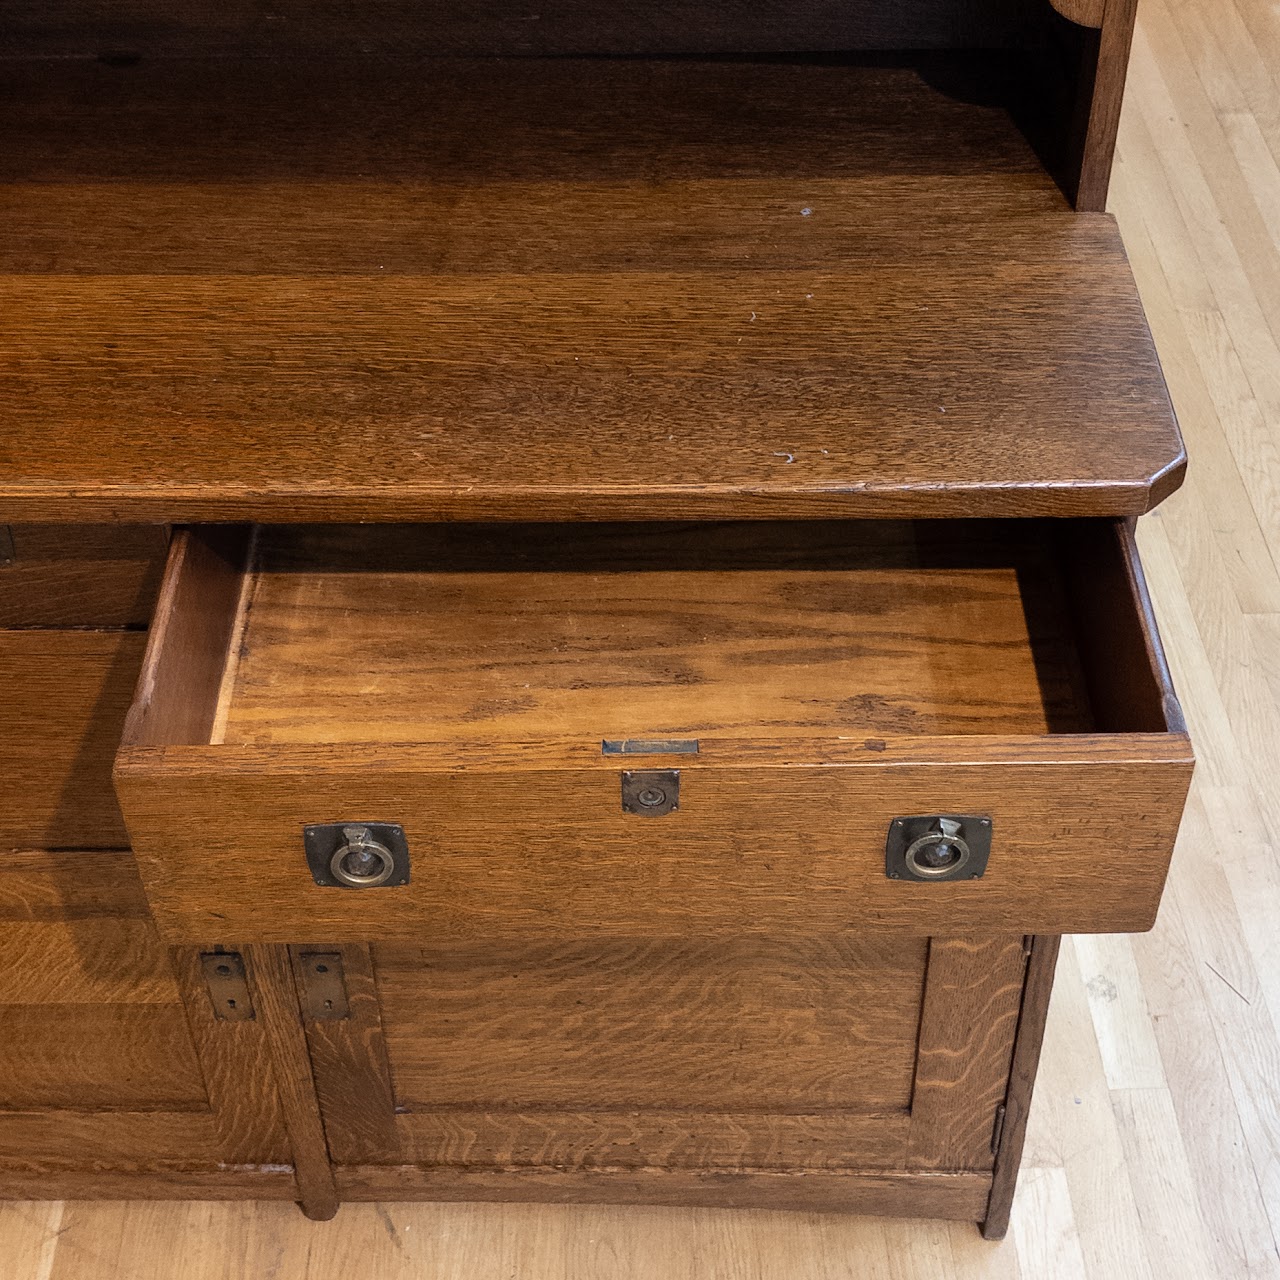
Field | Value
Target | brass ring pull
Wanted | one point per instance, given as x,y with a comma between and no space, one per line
361,862
938,853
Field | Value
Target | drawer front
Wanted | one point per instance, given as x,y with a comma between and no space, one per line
63,700
781,844
111,1057
80,575
281,693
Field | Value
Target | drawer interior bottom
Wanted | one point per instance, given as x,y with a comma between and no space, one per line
397,634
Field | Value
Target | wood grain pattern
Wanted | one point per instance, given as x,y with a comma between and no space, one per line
519,634
276,1006
1026,1059
249,164
238,1072
63,698
489,865
582,864
123,1141
658,1054
57,887
83,962
973,990
816,407
100,1067
243,1182
81,575
95,1056
190,639
352,1074
959,1196
398,27
653,1024
673,1139
1104,103
861,386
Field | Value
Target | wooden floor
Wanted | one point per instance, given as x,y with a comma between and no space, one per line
1154,1150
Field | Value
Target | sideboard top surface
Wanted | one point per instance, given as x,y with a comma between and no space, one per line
419,289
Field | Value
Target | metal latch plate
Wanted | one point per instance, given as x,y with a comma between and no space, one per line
228,987
324,988
650,793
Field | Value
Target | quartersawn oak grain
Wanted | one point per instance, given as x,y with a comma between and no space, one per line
957,1196
746,1056
104,1063
81,575
1026,1058
745,850
653,322
532,632
63,699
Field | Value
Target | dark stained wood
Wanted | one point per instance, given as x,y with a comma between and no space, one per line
858,391
81,575
401,27
1026,1059
958,1196
90,1056
654,1024
238,1072
520,634
491,860
1087,13
33,1181
99,1069
367,165
276,1007
669,1138
971,998
587,308
191,637
1119,645
63,699
55,887
351,1071
1104,103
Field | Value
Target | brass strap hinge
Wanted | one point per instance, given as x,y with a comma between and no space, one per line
323,986
228,987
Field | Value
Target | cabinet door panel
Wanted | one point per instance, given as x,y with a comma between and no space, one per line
112,1058
601,1069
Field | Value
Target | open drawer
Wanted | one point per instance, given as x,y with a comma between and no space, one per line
611,730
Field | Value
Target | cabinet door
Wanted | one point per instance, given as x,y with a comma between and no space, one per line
817,1072
116,1075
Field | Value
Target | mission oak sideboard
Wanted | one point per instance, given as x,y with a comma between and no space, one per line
570,626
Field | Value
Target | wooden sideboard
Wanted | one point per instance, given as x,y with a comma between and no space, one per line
569,623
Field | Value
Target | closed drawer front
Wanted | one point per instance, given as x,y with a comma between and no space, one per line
79,575
63,700
810,684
